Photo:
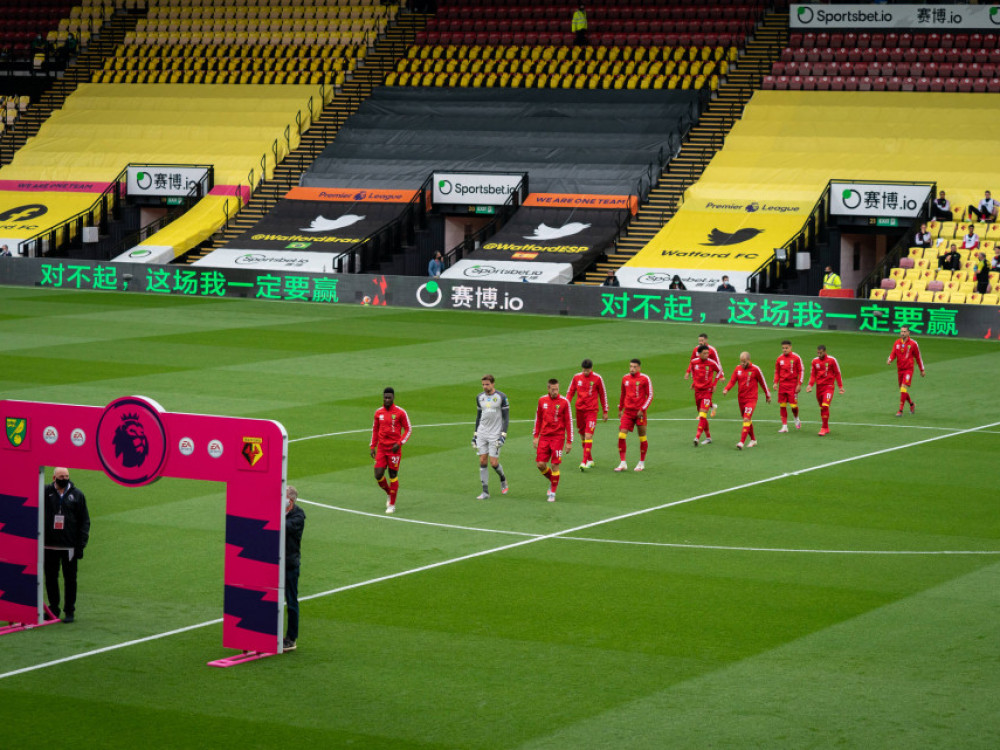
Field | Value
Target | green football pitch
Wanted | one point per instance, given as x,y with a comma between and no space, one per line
810,592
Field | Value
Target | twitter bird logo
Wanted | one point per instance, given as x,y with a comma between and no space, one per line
718,237
319,224
545,232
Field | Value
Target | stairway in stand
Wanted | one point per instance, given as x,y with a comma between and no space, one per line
380,60
703,141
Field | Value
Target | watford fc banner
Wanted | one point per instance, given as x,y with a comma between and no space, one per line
558,242
324,220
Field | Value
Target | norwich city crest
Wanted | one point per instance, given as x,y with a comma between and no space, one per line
17,430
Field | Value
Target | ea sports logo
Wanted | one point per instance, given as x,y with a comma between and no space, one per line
805,15
24,213
444,187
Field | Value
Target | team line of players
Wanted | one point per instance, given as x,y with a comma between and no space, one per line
552,434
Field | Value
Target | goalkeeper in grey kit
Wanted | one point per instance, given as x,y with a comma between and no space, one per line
492,420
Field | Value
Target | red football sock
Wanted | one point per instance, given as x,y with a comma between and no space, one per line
825,414
393,490
384,484
784,416
546,472
744,432
587,447
621,448
751,432
795,412
554,476
642,448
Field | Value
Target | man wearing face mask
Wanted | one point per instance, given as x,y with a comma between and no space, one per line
67,530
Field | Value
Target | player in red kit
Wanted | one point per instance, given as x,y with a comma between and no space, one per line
553,429
788,374
588,387
705,373
747,377
824,373
389,432
906,352
634,401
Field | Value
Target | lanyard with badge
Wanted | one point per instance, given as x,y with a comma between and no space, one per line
59,518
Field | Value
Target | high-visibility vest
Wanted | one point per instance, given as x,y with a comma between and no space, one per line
579,21
831,281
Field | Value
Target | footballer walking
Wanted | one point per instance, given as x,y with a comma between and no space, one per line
553,430
633,403
389,432
789,371
824,373
747,378
588,388
705,374
492,420
906,352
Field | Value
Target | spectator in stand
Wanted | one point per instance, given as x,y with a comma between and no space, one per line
982,274
579,26
922,238
831,280
941,208
996,261
5,252
436,266
987,210
725,286
610,279
676,283
971,240
951,259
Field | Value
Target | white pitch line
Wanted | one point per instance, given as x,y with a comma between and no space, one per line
725,548
503,548
896,426
417,521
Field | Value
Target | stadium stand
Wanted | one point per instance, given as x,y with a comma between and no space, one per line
962,62
778,158
400,136
81,150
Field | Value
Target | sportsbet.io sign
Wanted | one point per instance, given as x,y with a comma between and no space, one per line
475,188
878,199
858,17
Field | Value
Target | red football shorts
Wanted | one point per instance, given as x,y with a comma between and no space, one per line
703,401
586,421
384,457
787,395
549,450
824,396
905,378
632,419
747,408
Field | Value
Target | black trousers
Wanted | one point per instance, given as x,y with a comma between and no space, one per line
54,560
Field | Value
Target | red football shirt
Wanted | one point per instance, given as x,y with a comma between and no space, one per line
391,426
637,392
789,371
589,391
552,418
825,372
705,373
906,353
713,354
747,379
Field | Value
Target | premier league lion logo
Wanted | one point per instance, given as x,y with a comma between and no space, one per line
131,444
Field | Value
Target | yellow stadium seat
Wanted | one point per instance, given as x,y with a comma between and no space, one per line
894,295
930,296
898,274
990,299
916,253
906,285
877,294
973,299
967,287
957,299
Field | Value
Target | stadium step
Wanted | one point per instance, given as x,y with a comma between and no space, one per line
380,60
700,145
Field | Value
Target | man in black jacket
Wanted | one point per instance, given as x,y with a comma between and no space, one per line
295,522
67,531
